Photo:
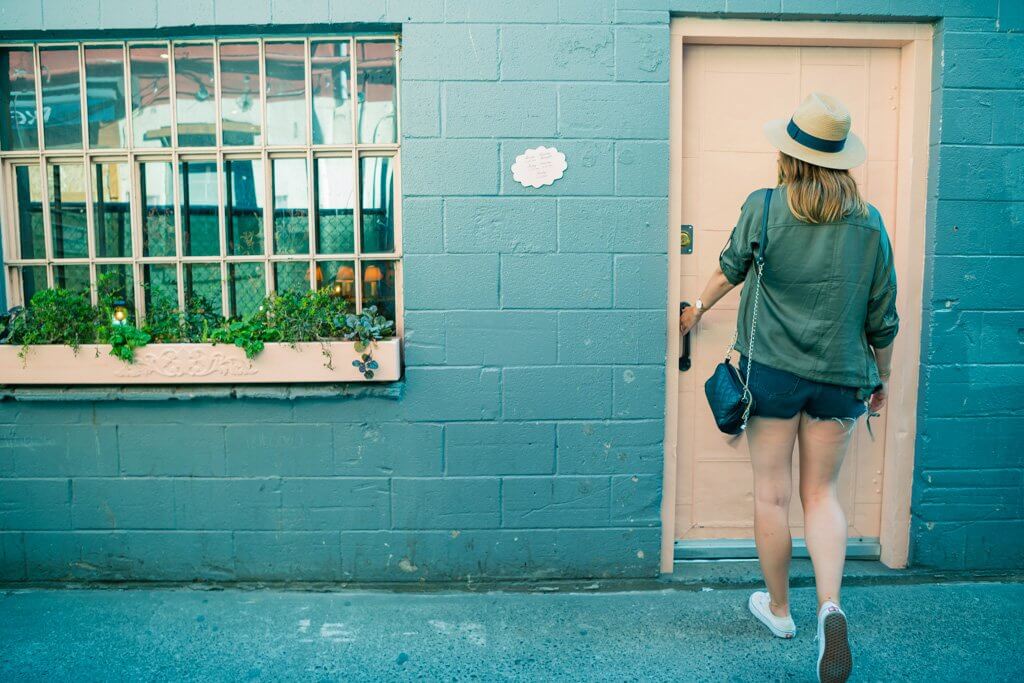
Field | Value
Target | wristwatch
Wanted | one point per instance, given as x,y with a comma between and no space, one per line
699,305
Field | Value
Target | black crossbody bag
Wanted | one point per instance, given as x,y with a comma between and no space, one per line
727,391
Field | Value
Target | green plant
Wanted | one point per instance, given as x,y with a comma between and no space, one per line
54,316
124,339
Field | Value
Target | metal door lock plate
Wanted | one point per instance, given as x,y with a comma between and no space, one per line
685,239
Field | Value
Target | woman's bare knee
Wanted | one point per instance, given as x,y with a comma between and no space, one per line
772,497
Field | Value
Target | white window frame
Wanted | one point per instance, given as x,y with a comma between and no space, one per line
133,156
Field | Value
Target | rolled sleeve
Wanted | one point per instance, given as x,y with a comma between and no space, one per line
883,322
738,252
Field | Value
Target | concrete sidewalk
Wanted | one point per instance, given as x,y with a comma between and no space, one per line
939,632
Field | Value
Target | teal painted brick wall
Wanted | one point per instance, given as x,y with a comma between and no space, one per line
528,440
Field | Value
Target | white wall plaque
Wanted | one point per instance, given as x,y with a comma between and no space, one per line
539,166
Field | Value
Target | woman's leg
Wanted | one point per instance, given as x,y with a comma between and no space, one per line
771,454
823,444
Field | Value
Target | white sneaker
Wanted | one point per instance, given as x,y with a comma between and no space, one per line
782,627
834,659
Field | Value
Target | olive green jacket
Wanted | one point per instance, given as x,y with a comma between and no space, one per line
828,293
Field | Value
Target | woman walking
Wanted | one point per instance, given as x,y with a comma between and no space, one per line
825,322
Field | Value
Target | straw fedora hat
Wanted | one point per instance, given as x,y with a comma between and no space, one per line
818,133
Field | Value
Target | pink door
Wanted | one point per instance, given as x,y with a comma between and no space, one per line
728,92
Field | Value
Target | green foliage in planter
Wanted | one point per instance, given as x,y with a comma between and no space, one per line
59,316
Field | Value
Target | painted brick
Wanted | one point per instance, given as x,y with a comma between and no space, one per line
35,504
462,503
387,448
610,447
557,53
423,225
556,281
365,10
586,11
228,12
639,392
641,17
237,504
500,109
449,53
944,441
641,54
451,281
965,227
1011,15
555,501
990,60
500,448
560,393
983,544
979,172
135,503
276,450
12,554
132,413
640,280
421,109
128,13
306,12
467,393
334,504
598,337
612,225
620,110
72,450
287,556
590,171
80,555
185,13
21,16
416,10
172,450
973,390
449,167
532,11
949,495
180,555
640,169
973,337
819,7
499,224
974,282
501,337
636,500
753,6
57,15
424,338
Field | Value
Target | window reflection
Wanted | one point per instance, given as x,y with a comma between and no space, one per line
335,193
291,206
111,209
156,185
341,276
105,97
33,279
160,286
379,286
18,124
151,96
377,97
286,93
292,276
120,282
67,210
240,93
332,96
74,278
200,235
246,288
243,205
203,287
62,98
376,213
193,91
29,198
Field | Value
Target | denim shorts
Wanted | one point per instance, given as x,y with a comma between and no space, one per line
778,393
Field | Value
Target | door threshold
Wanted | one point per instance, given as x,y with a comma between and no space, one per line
857,548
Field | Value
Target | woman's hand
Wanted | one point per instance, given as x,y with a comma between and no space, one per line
689,317
878,398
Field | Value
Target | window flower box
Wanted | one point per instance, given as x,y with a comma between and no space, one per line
196,364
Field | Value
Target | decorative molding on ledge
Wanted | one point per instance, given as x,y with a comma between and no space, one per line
60,367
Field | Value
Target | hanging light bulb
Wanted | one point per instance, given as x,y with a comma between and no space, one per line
119,316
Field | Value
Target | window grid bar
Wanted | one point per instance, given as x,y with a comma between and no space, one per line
135,156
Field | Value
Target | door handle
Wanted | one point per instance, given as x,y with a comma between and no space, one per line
684,344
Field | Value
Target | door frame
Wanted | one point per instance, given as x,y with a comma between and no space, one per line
915,44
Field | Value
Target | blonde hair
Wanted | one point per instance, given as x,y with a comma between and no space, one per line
817,194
